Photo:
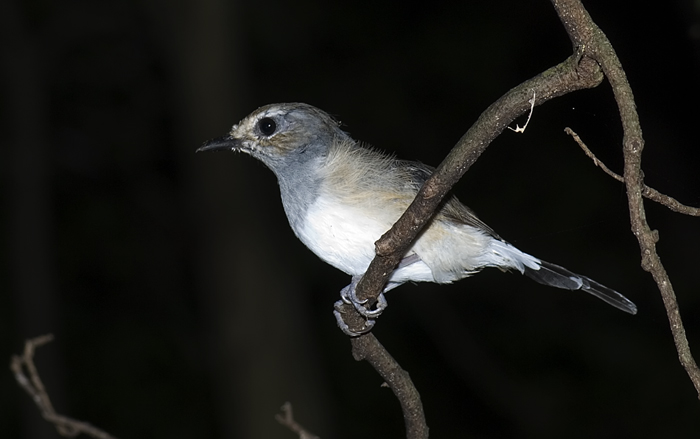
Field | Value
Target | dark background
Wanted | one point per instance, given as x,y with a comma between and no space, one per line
184,307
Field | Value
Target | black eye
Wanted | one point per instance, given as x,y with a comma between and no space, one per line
267,126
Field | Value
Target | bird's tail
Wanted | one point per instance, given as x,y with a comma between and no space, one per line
556,276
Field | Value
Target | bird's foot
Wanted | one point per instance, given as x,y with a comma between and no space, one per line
348,295
338,313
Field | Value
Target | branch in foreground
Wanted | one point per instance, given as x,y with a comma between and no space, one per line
647,192
32,384
585,33
575,73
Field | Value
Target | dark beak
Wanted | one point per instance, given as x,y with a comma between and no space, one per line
222,143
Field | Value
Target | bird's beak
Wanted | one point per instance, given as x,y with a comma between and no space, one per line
222,143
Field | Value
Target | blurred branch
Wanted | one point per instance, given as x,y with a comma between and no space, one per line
647,191
584,33
32,384
287,419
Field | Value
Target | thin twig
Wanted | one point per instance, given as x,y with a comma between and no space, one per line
33,385
647,192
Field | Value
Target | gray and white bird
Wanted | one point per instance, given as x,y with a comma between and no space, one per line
340,197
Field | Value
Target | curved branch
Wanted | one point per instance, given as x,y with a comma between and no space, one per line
585,33
582,70
575,73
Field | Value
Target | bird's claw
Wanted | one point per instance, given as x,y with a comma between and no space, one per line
369,323
348,295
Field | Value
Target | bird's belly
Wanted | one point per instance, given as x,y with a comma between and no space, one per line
341,235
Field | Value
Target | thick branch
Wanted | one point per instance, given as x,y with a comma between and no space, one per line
584,33
575,73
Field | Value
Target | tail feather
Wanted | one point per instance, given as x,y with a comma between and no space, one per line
556,276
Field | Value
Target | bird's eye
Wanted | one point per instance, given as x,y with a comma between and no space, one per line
267,126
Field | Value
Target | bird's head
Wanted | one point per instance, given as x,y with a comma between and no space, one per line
281,134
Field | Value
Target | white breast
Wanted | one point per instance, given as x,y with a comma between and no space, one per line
341,235
344,237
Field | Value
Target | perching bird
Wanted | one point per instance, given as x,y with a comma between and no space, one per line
340,197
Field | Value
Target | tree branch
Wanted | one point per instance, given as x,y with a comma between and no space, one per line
367,347
575,73
593,58
585,33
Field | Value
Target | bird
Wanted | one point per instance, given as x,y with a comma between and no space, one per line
341,195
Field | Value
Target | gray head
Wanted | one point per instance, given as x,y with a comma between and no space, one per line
280,135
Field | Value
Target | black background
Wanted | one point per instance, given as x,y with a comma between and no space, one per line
181,302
